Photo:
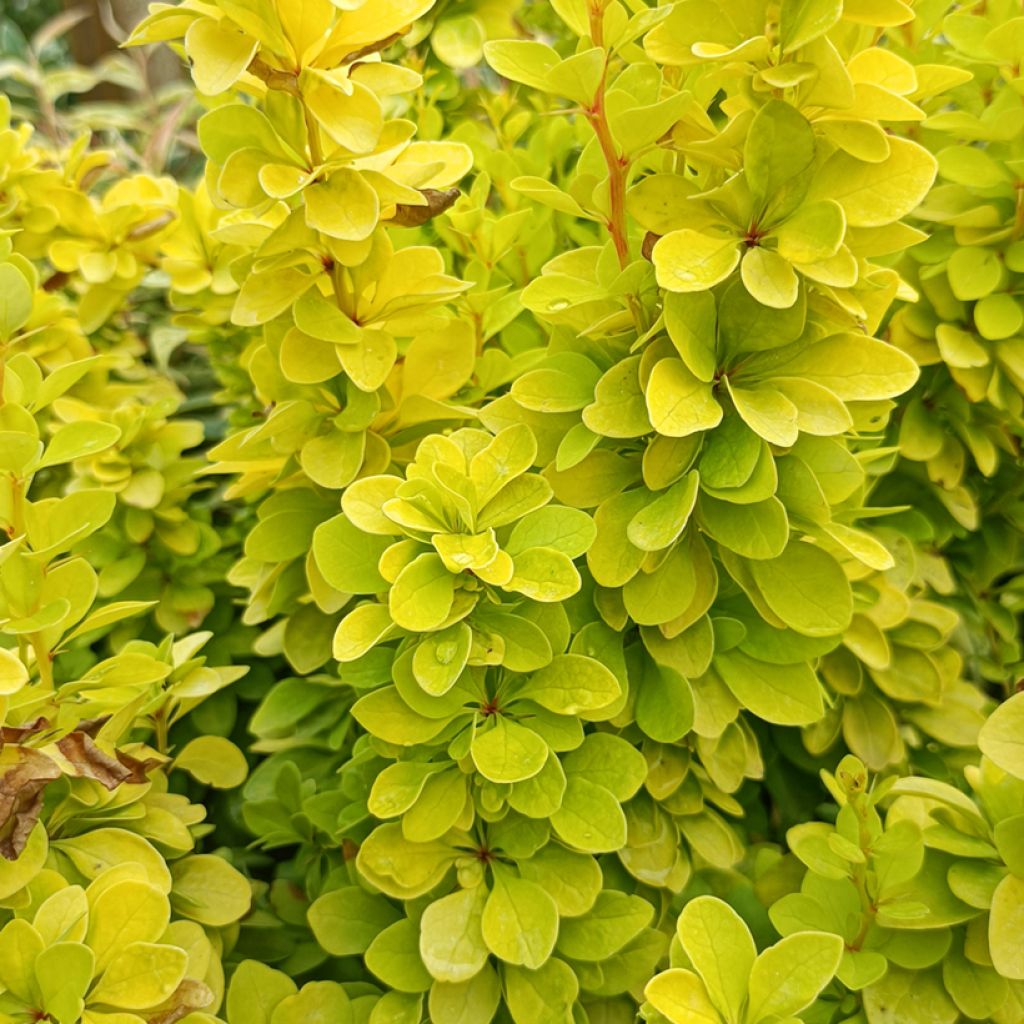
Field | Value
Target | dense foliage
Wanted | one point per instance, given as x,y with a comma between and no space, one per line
514,513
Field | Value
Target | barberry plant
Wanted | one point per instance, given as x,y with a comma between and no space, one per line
592,590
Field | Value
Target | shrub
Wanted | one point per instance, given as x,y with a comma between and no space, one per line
607,533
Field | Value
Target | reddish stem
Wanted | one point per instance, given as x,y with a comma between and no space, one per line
617,165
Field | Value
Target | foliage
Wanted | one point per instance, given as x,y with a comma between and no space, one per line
592,589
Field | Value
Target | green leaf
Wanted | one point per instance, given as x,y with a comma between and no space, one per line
459,42
15,301
875,194
572,684
1006,921
854,367
806,588
543,996
440,658
141,975
318,1002
213,760
522,61
343,207
466,1002
506,751
758,530
544,574
345,921
64,972
814,233
803,21
348,558
615,919
690,321
769,413
721,950
787,977
451,938
680,996
590,818
610,762
778,148
661,522
209,890
567,530
77,440
20,947
783,694
664,703
679,403
394,957
769,278
1002,736
520,921
691,261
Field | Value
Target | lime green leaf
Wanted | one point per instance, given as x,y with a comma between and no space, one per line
769,413
76,440
344,206
345,921
661,522
64,972
875,194
803,21
218,53
421,597
680,996
678,402
522,61
466,1002
140,976
520,921
690,322
787,977
13,674
854,367
507,751
690,261
20,947
318,1002
394,957
721,950
451,938
590,818
783,694
779,147
1004,930
1002,736
213,760
348,558
15,300
615,919
209,890
572,684
806,588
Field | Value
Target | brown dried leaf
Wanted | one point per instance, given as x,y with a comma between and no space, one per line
189,996
438,200
92,763
21,798
16,733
